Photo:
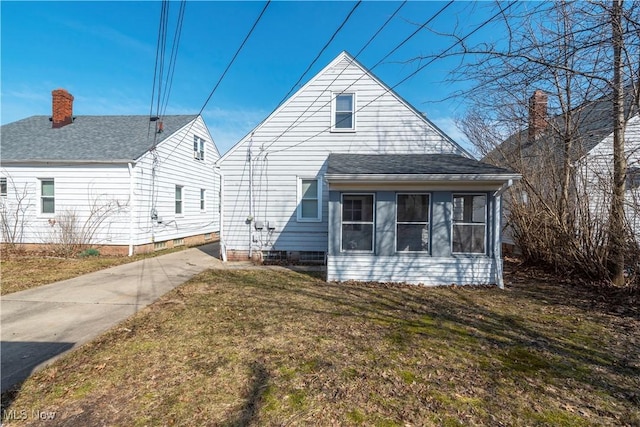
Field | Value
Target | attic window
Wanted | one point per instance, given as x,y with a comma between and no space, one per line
198,148
343,115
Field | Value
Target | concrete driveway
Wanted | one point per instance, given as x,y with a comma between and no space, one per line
40,324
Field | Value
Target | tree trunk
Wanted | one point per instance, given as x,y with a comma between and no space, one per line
616,224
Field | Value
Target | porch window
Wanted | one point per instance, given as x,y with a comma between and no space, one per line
343,117
357,222
412,223
309,199
469,223
47,196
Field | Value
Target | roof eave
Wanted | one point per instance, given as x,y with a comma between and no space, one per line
421,178
45,162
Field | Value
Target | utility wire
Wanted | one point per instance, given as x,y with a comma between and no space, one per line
299,118
255,24
235,56
335,33
427,22
173,58
439,56
155,69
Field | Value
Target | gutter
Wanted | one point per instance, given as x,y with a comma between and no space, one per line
223,246
27,162
420,178
132,186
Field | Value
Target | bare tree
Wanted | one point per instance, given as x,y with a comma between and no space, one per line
581,59
13,213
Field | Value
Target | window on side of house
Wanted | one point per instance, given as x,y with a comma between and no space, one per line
469,223
202,199
412,223
3,186
344,112
309,199
633,177
198,148
178,199
47,196
357,222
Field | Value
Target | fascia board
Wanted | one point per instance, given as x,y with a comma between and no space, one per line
417,178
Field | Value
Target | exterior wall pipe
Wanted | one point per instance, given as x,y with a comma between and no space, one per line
131,207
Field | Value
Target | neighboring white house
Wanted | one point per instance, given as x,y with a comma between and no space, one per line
124,184
348,173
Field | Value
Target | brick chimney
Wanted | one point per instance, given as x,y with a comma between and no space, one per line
537,114
62,107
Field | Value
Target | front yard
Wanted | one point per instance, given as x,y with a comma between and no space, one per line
274,347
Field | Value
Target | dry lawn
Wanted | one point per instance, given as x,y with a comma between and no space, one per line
273,347
19,271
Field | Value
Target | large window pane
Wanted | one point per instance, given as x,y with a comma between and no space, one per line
344,120
357,222
413,237
344,102
309,208
412,223
309,189
357,237
469,223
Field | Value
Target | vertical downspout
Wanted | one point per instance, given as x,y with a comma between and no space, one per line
250,217
223,247
132,186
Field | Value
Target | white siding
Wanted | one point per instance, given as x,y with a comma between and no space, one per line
429,271
295,142
79,187
176,165
79,191
596,169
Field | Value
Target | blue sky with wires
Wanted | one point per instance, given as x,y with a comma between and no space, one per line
105,54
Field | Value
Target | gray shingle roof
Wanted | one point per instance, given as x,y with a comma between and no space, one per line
405,164
88,138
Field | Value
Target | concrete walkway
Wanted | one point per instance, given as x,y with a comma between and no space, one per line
40,324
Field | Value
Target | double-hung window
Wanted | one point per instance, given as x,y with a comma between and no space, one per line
47,196
357,222
344,112
469,223
3,186
178,199
412,223
198,148
309,199
202,199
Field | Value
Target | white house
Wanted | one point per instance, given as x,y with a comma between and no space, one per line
348,173
124,184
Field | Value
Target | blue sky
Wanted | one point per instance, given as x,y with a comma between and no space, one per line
104,54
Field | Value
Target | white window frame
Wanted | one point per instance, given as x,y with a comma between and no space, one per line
427,223
203,200
179,200
3,186
373,223
334,111
41,181
318,217
198,148
486,218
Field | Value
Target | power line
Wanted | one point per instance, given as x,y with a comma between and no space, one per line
298,118
173,58
235,56
333,36
440,55
427,22
255,24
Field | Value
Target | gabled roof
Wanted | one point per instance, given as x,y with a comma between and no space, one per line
341,57
87,139
420,166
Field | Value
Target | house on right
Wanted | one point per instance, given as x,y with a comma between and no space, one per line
582,143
